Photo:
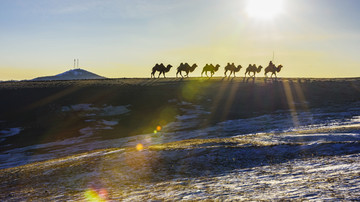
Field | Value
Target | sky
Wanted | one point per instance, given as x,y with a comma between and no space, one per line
126,38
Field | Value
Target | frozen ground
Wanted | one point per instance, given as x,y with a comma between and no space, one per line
311,155
319,178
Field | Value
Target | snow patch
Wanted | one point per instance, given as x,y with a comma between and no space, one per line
8,133
96,111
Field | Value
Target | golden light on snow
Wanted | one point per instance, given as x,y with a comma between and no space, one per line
264,9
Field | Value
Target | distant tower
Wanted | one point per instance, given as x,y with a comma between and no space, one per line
78,63
74,63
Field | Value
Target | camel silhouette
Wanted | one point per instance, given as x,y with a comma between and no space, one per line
186,68
273,69
161,68
210,68
232,68
253,69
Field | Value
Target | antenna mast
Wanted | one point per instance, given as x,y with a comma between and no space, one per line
78,63
74,63
273,56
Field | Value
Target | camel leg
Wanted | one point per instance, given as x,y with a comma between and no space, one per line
181,75
225,72
202,73
164,74
234,73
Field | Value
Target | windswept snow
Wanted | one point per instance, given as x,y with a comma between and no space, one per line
97,111
98,126
9,132
320,178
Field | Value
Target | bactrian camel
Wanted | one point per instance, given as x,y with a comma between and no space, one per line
210,68
253,69
232,68
161,68
186,68
273,69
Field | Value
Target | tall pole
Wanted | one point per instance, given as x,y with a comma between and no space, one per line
78,63
273,56
74,63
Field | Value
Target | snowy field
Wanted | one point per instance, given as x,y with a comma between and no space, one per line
307,150
267,157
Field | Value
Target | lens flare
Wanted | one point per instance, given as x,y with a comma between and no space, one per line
158,128
139,147
94,195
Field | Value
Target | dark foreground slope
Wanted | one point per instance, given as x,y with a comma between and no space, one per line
38,107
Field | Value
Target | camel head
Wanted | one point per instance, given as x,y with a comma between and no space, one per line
238,68
216,67
278,69
259,69
168,67
192,68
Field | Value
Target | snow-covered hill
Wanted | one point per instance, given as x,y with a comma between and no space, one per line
74,74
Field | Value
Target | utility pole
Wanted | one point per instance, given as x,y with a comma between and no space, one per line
74,63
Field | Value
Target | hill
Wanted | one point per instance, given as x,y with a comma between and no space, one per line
74,74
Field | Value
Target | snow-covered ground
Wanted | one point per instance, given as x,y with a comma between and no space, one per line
332,178
312,155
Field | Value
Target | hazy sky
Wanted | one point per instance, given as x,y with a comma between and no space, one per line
125,38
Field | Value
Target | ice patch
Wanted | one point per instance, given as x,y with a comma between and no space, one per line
96,111
109,123
87,131
79,107
98,126
114,110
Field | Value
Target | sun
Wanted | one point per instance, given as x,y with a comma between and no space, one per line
264,9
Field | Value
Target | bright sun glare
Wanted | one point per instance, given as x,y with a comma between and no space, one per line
264,9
